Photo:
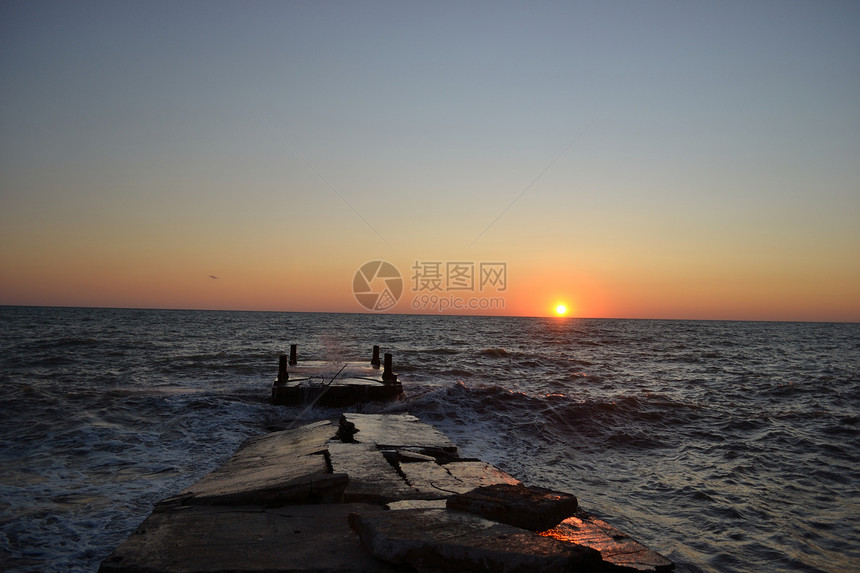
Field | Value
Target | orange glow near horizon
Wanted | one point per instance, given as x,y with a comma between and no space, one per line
248,279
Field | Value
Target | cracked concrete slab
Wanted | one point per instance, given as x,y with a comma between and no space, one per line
615,546
298,538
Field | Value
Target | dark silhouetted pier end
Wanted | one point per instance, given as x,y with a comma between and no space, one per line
334,384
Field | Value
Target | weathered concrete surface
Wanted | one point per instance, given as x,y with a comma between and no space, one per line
406,456
434,481
533,508
438,539
416,504
615,546
295,538
478,474
395,431
371,477
278,468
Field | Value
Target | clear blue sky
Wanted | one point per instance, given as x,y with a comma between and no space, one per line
707,153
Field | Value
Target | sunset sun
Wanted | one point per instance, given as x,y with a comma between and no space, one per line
561,310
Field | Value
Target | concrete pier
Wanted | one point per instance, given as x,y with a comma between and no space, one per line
370,493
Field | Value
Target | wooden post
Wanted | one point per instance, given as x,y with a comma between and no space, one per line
375,360
293,354
282,368
387,374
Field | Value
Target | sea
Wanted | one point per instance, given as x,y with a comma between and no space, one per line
725,446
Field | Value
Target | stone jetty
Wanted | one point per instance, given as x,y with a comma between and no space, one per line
369,493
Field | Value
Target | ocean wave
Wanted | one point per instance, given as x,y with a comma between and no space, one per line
440,351
495,352
623,422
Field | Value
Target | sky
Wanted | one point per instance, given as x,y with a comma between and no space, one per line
693,160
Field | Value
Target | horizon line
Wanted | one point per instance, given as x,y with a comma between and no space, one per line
553,317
